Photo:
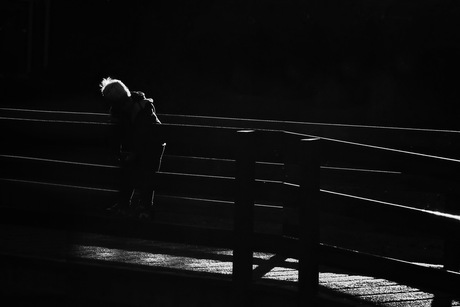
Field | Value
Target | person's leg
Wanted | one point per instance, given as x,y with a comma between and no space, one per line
146,194
125,191
149,170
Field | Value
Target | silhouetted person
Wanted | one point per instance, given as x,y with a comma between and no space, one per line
140,147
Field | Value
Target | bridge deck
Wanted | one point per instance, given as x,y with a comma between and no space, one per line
341,288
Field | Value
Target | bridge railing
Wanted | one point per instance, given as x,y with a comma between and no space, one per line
349,170
409,172
61,173
354,175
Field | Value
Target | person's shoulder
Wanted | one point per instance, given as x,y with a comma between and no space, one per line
137,96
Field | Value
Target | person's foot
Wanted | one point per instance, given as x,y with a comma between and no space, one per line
118,210
144,213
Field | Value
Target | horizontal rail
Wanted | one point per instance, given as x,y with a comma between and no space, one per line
104,175
434,142
430,141
53,120
349,148
33,112
425,221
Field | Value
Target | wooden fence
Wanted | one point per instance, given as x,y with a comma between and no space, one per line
343,164
60,173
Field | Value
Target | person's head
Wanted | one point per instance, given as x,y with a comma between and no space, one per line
114,90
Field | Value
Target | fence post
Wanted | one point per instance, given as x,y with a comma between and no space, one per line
309,199
292,170
452,240
244,215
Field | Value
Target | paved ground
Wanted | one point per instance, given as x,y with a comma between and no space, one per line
336,286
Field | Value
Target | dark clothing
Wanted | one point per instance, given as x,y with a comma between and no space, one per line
140,148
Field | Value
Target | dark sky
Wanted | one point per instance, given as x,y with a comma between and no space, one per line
362,61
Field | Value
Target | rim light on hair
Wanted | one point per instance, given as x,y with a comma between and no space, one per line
114,89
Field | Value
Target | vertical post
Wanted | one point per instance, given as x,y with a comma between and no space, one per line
292,171
452,240
244,214
308,221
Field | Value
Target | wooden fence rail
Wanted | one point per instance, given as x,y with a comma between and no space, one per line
428,141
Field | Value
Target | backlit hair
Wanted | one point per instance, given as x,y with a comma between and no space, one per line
114,89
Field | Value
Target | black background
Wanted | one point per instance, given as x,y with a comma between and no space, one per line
379,62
